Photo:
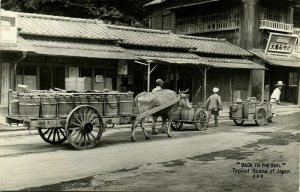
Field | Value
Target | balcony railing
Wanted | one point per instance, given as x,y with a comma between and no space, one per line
206,27
297,31
276,26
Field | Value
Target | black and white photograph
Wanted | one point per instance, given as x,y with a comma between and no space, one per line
150,95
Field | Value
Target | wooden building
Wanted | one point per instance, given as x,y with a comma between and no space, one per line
245,23
46,51
49,52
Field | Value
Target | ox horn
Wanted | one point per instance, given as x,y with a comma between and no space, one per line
186,90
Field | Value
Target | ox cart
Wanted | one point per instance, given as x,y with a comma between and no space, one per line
251,110
196,115
80,118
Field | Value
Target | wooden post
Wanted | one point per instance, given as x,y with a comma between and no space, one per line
93,78
204,85
148,78
298,88
51,77
263,86
175,79
37,77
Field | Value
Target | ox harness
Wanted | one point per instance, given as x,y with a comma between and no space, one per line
158,108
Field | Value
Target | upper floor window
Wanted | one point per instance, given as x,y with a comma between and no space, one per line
273,14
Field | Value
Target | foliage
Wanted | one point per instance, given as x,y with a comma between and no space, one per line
126,12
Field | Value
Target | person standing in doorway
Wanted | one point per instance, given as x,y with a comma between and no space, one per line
214,105
275,97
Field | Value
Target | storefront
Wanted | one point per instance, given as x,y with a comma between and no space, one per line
282,65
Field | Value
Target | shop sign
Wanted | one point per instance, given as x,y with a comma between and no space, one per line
8,27
122,67
281,43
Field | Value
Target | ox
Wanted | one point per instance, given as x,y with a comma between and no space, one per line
146,101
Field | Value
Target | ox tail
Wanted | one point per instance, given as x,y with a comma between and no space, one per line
135,105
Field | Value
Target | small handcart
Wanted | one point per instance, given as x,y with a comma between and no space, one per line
196,115
251,110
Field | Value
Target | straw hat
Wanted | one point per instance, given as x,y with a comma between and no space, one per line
159,81
279,83
215,89
239,100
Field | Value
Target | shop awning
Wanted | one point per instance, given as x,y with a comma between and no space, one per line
169,57
279,60
233,63
77,48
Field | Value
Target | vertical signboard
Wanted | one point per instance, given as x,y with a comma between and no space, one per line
122,67
8,27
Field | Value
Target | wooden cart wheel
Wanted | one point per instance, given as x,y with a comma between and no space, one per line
201,120
238,121
53,135
261,117
176,126
84,127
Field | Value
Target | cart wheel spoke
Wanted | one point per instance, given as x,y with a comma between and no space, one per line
58,137
78,120
74,133
46,135
54,133
88,136
91,118
49,136
89,114
201,120
87,131
261,117
93,136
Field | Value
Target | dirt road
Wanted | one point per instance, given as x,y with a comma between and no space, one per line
227,158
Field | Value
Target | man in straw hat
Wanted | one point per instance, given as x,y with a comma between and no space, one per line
159,85
214,104
275,97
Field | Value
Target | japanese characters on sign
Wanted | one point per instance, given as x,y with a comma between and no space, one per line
281,43
122,67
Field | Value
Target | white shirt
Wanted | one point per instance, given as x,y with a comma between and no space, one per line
157,88
276,94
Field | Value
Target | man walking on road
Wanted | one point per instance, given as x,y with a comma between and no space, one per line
275,97
214,105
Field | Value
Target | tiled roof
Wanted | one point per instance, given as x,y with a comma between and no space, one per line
280,60
169,56
72,44
233,63
76,48
214,46
166,54
154,2
148,37
45,25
